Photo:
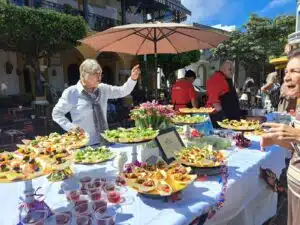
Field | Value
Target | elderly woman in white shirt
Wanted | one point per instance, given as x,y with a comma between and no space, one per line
87,101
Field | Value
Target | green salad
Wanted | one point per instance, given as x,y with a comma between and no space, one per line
60,175
91,155
188,119
217,143
131,135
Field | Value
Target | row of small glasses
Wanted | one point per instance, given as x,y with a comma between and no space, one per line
82,215
97,200
90,201
112,190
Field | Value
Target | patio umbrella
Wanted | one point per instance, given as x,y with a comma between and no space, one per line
155,38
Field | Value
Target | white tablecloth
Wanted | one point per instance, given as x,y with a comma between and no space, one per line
248,201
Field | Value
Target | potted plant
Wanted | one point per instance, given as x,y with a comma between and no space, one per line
152,114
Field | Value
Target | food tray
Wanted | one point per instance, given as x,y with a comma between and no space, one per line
96,162
176,188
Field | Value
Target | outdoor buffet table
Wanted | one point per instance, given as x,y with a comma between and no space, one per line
248,200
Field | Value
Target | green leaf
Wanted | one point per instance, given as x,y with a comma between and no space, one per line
38,32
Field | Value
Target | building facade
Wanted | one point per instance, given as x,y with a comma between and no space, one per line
63,69
294,38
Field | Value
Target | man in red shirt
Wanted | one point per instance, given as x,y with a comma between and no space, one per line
222,94
183,91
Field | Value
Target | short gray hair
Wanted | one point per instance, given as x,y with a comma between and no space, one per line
226,62
89,67
272,78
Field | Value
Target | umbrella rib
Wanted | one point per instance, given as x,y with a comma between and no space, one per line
166,35
170,42
157,35
213,46
144,36
151,36
120,39
149,31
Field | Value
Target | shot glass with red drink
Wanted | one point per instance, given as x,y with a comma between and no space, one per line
106,218
84,181
95,195
59,219
83,220
83,209
99,206
97,182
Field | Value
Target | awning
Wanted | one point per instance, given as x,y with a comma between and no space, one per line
280,60
279,63
86,51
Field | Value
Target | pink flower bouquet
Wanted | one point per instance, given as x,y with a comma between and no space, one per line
152,114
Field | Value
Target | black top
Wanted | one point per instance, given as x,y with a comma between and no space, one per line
230,102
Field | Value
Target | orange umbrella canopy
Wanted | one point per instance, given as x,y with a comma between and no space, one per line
155,38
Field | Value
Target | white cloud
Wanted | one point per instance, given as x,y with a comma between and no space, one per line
203,9
275,4
225,27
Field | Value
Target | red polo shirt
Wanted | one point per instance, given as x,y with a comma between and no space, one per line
182,93
216,86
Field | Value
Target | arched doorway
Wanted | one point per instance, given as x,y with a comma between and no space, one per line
107,75
108,61
73,74
27,81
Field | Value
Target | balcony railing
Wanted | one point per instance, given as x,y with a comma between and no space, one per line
100,23
294,38
96,21
17,2
63,8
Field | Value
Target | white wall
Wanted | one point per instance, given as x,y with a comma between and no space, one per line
11,80
57,81
242,76
211,67
201,76
199,72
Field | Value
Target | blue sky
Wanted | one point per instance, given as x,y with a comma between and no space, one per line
233,13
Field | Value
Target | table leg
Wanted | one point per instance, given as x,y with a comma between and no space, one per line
134,153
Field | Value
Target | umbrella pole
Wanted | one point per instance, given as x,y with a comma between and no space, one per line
155,62
155,68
